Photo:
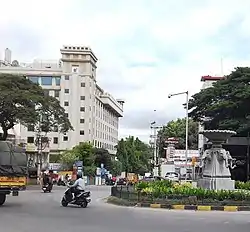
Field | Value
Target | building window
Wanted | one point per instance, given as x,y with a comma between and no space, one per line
55,140
58,81
57,93
30,140
82,120
66,103
67,78
66,91
82,109
75,68
34,79
30,128
82,97
65,138
82,84
81,132
46,81
90,108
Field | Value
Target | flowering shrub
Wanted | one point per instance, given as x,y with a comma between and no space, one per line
242,185
168,189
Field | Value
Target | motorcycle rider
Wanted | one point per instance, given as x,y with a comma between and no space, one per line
78,186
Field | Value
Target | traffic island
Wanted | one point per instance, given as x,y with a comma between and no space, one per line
226,208
169,195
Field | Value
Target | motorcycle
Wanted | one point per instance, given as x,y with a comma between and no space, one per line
82,199
47,188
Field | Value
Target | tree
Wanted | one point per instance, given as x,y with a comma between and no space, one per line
67,159
134,155
24,102
102,156
85,152
116,167
226,104
177,129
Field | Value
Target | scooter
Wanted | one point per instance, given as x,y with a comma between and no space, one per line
82,199
47,188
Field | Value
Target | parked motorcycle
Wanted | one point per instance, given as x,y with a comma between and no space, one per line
82,199
47,188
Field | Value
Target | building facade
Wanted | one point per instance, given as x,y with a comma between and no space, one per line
93,113
207,83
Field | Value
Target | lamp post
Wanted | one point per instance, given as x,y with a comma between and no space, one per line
186,142
154,136
41,143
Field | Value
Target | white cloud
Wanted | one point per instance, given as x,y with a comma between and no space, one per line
146,48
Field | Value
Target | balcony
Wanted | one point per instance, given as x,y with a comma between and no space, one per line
112,104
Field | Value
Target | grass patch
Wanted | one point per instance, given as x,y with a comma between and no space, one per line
120,201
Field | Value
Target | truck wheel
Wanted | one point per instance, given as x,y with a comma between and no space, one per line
2,199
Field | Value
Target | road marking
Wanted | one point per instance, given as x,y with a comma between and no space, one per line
230,208
204,208
180,207
155,206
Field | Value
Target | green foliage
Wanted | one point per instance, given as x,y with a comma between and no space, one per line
22,101
67,159
155,184
102,156
85,152
177,129
242,185
91,157
226,104
134,155
161,189
116,167
90,170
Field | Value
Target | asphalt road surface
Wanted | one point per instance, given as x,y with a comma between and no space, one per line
34,211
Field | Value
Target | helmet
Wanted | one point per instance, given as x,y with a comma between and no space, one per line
79,175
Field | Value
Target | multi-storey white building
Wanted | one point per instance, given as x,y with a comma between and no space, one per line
93,113
207,83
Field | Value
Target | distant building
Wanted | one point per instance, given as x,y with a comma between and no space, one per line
93,113
207,83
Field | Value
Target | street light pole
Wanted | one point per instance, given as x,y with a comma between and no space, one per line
154,136
186,142
186,151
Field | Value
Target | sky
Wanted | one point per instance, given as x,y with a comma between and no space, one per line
146,49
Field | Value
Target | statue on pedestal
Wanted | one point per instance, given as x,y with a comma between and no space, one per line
216,162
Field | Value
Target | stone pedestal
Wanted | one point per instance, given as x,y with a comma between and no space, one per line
216,162
216,183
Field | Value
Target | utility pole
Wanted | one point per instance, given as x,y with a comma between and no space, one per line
186,105
41,144
154,136
248,146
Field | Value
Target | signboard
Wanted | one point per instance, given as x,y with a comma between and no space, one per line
79,163
54,166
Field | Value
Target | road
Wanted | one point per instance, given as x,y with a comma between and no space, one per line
34,211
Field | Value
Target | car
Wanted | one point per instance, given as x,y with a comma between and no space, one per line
173,176
152,178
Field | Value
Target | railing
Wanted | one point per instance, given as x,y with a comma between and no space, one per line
129,194
125,192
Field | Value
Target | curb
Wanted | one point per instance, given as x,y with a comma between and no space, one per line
196,207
